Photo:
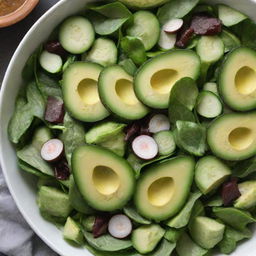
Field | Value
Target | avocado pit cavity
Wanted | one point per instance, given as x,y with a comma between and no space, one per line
161,191
88,91
241,138
105,180
162,81
245,80
124,89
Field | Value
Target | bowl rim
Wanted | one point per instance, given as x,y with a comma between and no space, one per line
19,14
3,165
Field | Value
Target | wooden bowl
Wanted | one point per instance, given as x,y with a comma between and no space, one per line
18,14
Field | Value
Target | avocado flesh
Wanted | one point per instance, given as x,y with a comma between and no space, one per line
156,77
105,180
233,136
237,80
80,92
146,238
247,200
143,3
206,232
117,93
162,189
72,231
53,202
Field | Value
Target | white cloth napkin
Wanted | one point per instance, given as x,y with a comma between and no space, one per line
16,237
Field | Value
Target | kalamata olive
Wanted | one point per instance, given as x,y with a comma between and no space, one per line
54,110
100,226
61,169
55,47
184,36
230,192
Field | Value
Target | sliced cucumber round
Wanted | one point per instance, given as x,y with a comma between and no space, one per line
146,27
76,34
50,62
166,143
209,105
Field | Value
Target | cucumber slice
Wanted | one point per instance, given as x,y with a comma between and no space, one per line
210,49
230,16
146,27
76,34
50,62
166,40
159,123
211,87
165,142
209,105
103,52
210,173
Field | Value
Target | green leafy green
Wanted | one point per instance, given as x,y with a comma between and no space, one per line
165,248
26,109
173,234
244,168
190,137
73,135
175,9
71,59
137,163
29,169
134,49
198,210
182,100
182,218
230,239
129,66
216,201
230,40
107,243
131,212
109,18
233,217
154,54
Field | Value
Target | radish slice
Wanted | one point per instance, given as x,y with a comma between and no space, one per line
120,226
173,25
52,150
145,147
167,41
159,123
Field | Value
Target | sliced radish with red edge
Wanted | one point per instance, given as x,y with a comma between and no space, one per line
173,26
145,147
120,226
52,150
159,123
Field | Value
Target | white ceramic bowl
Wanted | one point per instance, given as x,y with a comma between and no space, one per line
22,185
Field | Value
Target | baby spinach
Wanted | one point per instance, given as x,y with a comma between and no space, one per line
73,135
243,169
134,49
230,40
182,100
129,66
230,239
26,109
233,217
215,202
27,168
131,212
191,137
109,18
175,9
28,70
182,219
107,243
165,248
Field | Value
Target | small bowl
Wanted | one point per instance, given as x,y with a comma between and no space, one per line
19,14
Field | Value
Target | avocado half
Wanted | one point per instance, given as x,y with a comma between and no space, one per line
163,189
143,3
105,180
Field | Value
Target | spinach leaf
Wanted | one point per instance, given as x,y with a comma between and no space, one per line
182,100
246,31
182,219
129,66
29,169
26,109
107,243
154,54
216,201
191,137
237,219
73,135
47,85
164,249
172,235
134,49
137,163
230,40
230,239
175,9
131,212
71,59
28,70
243,169
109,18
